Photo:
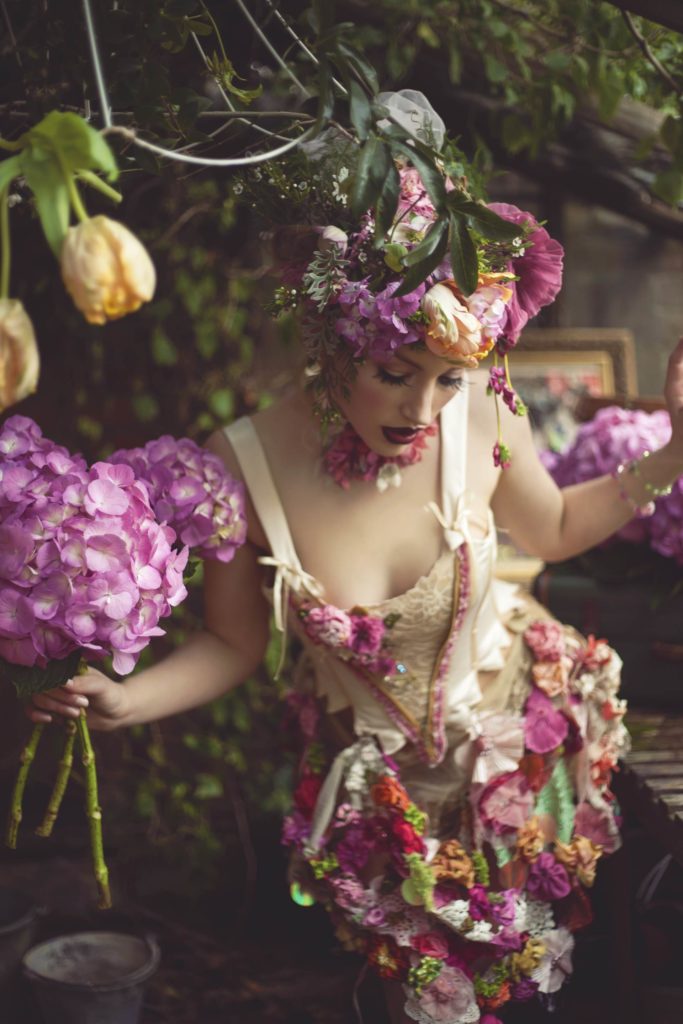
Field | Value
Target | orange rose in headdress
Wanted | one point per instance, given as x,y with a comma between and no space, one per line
452,331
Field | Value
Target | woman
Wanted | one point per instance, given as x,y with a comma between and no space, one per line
457,743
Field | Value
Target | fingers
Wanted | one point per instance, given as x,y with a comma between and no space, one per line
60,701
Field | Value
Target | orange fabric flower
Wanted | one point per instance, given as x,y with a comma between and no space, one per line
580,857
452,862
551,677
495,1002
530,840
387,792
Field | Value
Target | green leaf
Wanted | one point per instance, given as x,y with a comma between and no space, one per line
222,403
28,680
164,351
385,208
78,144
428,244
360,65
360,111
463,256
669,186
46,181
373,166
417,274
9,168
208,787
145,407
488,223
432,179
495,71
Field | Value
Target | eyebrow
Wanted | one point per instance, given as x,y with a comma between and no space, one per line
417,366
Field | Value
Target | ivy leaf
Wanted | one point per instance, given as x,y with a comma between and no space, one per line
418,273
463,256
373,167
30,679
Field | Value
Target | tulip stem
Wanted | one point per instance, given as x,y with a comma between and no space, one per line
92,179
13,147
63,773
4,243
74,196
26,759
94,812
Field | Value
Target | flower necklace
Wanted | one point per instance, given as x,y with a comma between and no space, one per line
348,458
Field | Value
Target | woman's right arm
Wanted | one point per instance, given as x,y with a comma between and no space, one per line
210,663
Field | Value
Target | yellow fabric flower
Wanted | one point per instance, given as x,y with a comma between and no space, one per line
19,358
523,963
530,840
580,857
106,269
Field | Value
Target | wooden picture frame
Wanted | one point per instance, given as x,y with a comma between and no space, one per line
556,369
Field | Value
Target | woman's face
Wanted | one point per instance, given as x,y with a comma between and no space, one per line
390,402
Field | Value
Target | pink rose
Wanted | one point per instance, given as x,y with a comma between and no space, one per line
406,835
367,633
430,944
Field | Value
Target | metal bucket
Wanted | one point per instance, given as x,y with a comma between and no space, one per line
91,977
17,926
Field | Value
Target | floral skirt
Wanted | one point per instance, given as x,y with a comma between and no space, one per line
465,882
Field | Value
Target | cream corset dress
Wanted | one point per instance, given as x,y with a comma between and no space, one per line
450,833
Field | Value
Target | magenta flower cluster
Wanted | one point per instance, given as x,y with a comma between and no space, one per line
617,436
84,563
190,490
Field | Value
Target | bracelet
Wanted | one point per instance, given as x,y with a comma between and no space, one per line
651,489
639,511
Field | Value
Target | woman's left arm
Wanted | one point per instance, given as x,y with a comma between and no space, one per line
556,524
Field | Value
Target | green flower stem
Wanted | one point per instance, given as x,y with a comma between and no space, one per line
74,195
94,813
92,179
4,244
12,147
65,763
26,758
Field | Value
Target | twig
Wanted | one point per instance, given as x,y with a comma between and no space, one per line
13,38
649,55
271,49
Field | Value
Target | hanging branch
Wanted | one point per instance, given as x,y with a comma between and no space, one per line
649,55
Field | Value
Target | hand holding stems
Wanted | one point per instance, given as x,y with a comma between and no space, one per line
72,706
105,700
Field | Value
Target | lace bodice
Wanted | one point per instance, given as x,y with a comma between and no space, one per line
421,676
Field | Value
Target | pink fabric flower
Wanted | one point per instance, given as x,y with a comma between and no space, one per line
506,803
499,746
538,271
448,998
548,879
598,825
367,634
328,625
430,944
546,639
544,727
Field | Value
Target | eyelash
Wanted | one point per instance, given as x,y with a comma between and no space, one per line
455,383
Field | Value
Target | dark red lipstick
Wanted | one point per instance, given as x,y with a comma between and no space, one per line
401,435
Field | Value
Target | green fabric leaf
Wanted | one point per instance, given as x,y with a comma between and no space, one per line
463,256
28,680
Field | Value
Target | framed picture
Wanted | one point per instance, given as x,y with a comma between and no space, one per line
555,370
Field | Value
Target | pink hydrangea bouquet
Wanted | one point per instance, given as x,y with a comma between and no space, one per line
617,436
87,570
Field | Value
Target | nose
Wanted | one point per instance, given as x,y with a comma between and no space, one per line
418,406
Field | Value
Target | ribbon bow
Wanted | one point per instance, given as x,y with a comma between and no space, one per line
497,741
287,577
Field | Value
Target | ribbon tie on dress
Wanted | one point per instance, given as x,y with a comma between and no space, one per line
458,531
287,577
496,745
359,755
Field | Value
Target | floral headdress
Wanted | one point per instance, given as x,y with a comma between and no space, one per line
392,243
